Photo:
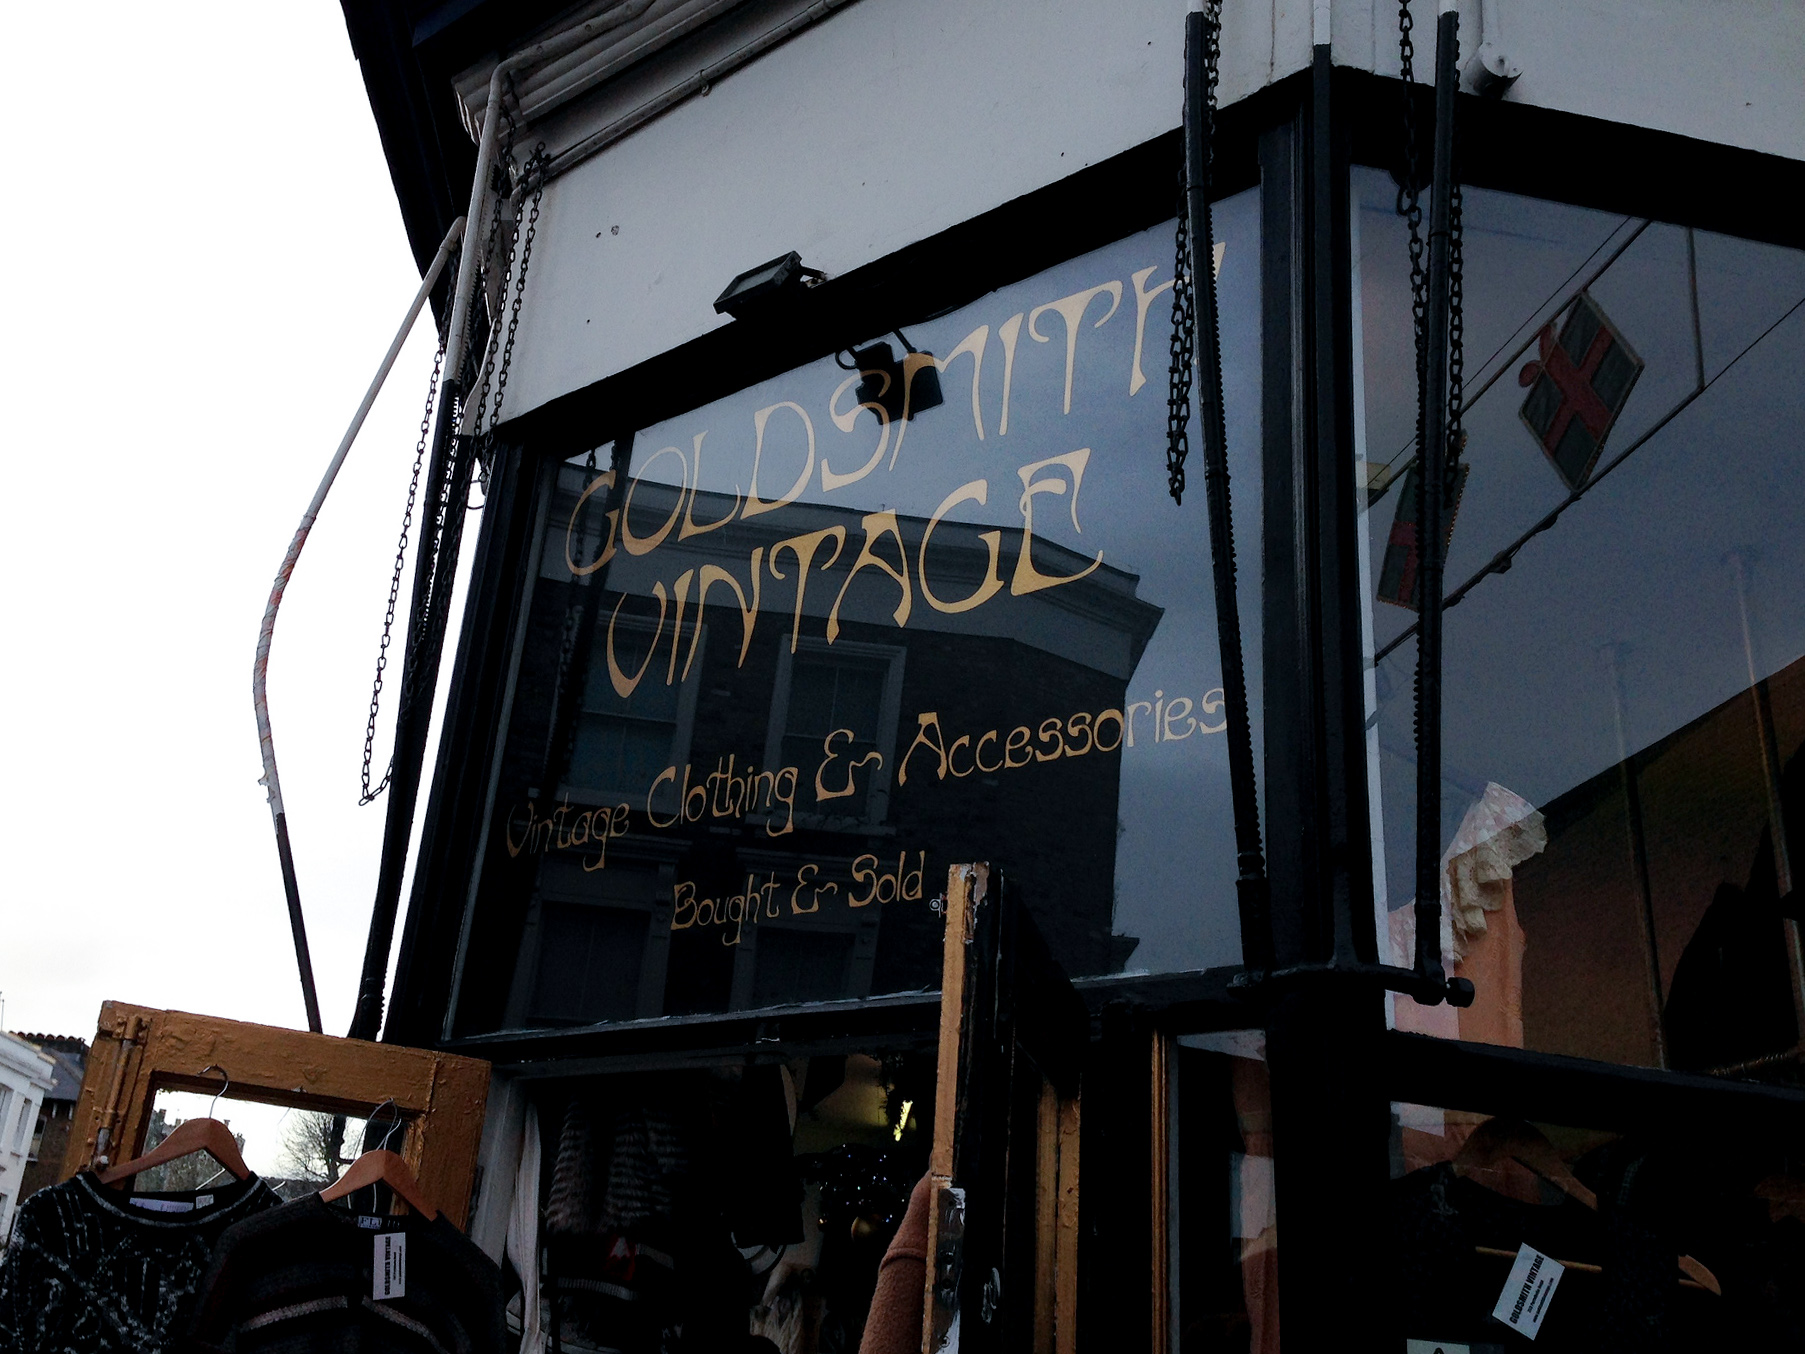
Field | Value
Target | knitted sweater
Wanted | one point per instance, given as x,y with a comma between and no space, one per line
93,1271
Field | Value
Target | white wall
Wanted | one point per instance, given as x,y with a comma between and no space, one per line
24,1077
895,119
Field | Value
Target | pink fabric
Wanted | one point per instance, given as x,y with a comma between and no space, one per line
899,1302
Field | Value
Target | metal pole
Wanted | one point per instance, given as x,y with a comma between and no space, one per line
1432,466
1251,886
260,669
1636,837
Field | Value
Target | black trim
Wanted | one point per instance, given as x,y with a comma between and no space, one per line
1490,1079
1588,162
468,744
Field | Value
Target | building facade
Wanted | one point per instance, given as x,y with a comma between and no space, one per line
56,1111
794,588
25,1076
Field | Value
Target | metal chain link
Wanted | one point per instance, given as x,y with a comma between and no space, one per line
1457,357
1183,356
502,186
368,794
1410,207
522,239
1184,284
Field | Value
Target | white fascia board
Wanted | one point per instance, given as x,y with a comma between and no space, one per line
1727,71
889,121
882,125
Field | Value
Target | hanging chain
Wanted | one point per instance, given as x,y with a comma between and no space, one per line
422,623
1184,336
1410,207
369,794
1182,372
1457,357
522,241
494,262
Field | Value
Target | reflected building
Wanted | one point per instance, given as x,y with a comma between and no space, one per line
713,806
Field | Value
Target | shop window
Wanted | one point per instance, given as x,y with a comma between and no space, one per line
794,651
1623,788
1498,1229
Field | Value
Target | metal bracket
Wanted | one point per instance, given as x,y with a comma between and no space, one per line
1428,990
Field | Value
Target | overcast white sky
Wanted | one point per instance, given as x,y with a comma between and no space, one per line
205,264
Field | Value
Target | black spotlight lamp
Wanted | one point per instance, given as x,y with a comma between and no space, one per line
878,361
756,288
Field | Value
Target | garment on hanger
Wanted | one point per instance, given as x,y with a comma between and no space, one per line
308,1278
612,1237
619,1170
1452,1240
97,1270
522,1244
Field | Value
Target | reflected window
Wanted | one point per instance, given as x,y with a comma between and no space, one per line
1623,788
789,655
623,743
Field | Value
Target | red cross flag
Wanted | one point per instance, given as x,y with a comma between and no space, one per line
1400,575
1577,388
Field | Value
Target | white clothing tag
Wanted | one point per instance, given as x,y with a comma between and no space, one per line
164,1205
388,1279
203,1201
370,1224
1524,1301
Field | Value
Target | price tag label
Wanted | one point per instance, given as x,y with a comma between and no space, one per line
388,1279
1532,1281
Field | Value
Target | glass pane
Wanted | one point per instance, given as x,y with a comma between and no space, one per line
923,601
295,1151
1624,699
1224,1228
1646,1242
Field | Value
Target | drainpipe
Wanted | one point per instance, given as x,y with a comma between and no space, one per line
260,669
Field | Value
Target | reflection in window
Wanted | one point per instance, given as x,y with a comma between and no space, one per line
1624,696
624,743
1226,1291
788,656
1653,1242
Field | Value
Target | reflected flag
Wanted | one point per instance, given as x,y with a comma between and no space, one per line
1400,574
1577,388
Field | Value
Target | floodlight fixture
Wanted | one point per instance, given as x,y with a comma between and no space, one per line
758,287
886,382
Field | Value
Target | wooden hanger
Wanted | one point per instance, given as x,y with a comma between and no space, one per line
388,1169
190,1136
1695,1274
1501,1139
1511,1139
